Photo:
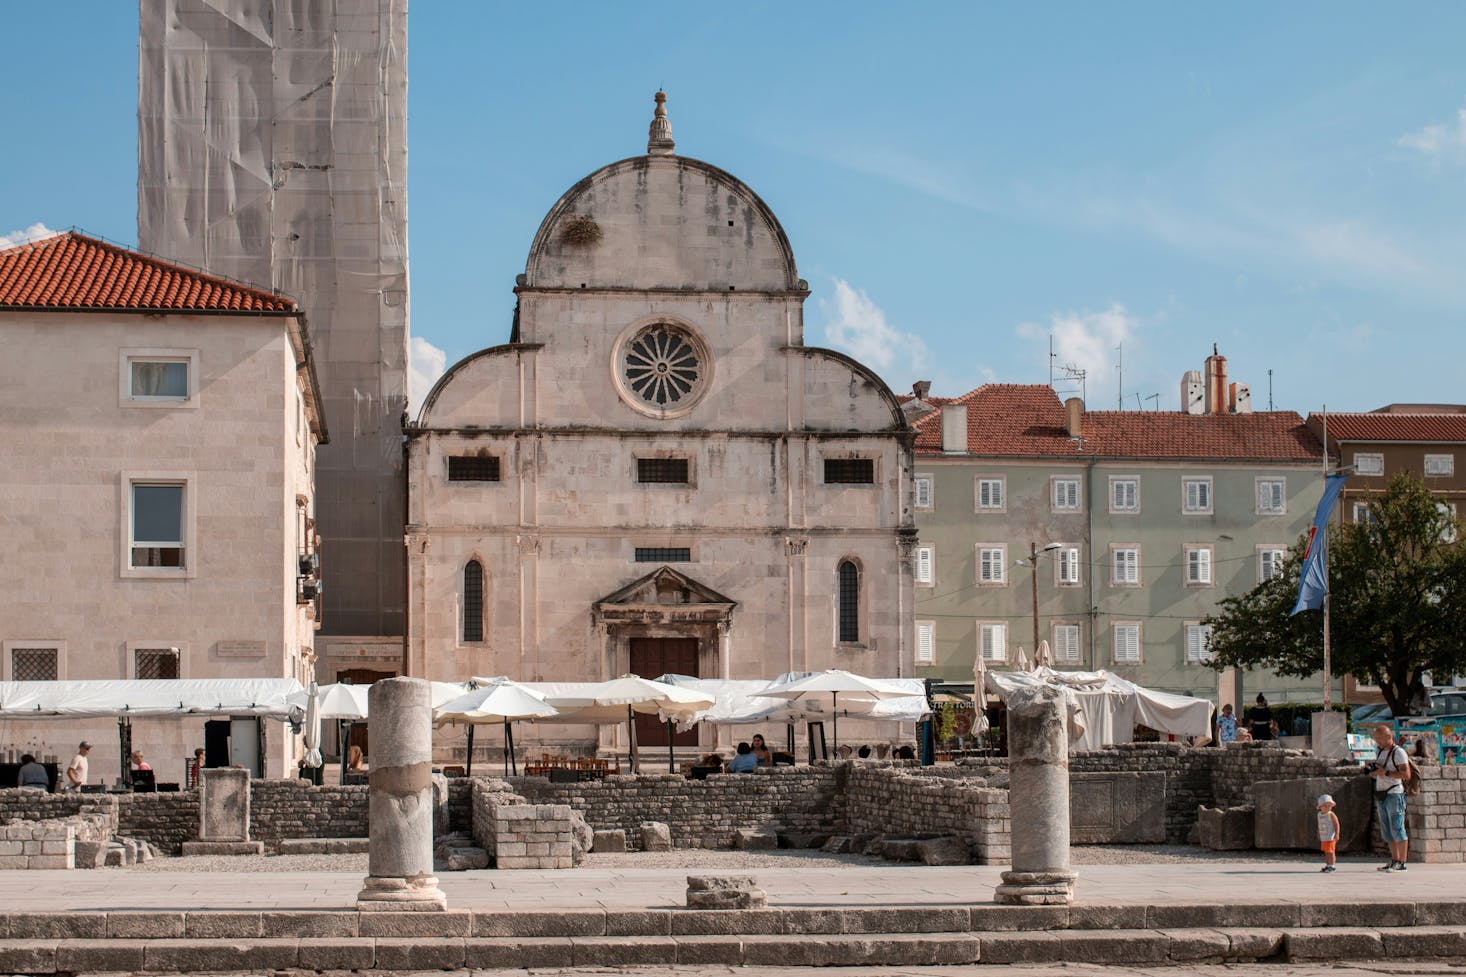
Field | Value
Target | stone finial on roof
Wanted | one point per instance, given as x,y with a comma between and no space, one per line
659,139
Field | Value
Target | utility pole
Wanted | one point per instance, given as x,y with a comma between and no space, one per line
1033,554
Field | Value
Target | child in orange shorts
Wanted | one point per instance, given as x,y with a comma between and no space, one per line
1328,831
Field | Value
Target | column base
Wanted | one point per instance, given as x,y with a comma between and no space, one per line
393,894
1036,889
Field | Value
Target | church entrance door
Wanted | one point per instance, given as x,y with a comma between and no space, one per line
651,657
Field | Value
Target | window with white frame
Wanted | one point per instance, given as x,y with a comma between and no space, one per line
1125,566
1124,494
993,641
159,377
1196,494
1440,464
1198,566
992,564
33,661
1125,643
1270,562
991,494
1198,643
925,564
926,642
1065,494
1369,463
1272,496
1066,644
1066,565
1362,513
157,523
922,492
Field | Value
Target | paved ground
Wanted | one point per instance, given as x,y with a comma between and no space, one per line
1368,969
806,884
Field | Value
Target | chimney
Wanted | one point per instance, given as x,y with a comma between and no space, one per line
1074,417
921,388
1193,397
1241,398
1216,382
954,429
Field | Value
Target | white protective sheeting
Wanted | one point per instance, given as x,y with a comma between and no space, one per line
1111,707
180,698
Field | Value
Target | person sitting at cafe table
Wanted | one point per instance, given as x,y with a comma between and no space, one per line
33,774
745,761
138,763
355,761
761,751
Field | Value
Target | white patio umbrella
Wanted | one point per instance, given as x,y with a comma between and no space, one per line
500,700
636,694
836,682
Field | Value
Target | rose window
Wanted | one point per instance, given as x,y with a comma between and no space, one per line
663,368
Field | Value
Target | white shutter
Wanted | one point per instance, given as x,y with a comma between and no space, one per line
1127,642
1069,565
925,642
1198,566
994,642
923,493
1066,642
923,564
1123,494
1127,566
1198,643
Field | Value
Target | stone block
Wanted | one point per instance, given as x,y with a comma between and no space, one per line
1226,829
655,836
928,919
755,839
803,839
1332,943
609,841
1253,944
575,922
636,922
222,925
728,899
224,804
1437,942
222,848
1120,947
1101,917
451,922
337,954
709,951
1026,947
1369,915
309,925
144,926
212,956
466,858
100,956
29,956
838,845
1287,812
518,954
61,926
89,854
1120,808
706,883
943,851
419,954
1196,945
624,951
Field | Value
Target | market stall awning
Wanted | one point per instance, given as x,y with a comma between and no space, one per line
177,698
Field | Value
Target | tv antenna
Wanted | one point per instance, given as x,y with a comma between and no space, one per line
1064,378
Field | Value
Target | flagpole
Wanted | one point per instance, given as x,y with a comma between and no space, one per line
1327,664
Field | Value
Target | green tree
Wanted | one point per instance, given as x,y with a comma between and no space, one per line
1397,607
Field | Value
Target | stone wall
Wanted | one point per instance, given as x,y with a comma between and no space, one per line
915,802
165,820
519,834
1436,817
38,844
1240,765
281,809
701,813
460,804
36,805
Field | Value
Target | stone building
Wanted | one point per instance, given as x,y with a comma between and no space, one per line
655,473
159,430
1109,534
272,149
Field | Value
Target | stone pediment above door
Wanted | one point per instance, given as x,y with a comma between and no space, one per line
664,595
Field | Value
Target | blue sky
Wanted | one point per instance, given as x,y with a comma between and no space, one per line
959,181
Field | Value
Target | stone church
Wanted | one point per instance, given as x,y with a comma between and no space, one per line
655,473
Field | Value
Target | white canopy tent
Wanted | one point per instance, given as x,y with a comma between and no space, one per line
740,702
1111,707
122,698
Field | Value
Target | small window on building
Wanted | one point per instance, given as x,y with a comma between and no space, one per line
1198,566
662,471
923,492
1198,643
157,525
1272,496
473,468
156,663
35,664
850,471
1066,494
926,652
161,379
473,601
1369,463
994,641
925,564
990,494
1124,495
1126,638
1270,563
992,565
1066,643
1362,514
663,554
848,578
1196,495
1440,464
1068,565
1125,561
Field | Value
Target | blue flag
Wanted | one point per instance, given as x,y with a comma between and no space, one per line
1313,579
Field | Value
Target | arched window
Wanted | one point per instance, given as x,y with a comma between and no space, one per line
473,601
849,576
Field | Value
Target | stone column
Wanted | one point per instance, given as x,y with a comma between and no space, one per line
1038,795
400,799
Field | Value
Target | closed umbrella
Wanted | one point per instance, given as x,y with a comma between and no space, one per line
313,728
500,701
836,682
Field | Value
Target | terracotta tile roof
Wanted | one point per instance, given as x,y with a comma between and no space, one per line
1025,421
73,271
1392,427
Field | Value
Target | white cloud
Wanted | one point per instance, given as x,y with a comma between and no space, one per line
33,233
1092,342
427,365
1443,142
856,325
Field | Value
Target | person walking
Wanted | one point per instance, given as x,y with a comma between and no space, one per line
1226,726
1261,718
1391,768
1328,832
76,770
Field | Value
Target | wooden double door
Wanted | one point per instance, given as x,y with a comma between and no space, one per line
651,657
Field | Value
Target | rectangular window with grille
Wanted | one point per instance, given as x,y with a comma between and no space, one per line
923,491
1126,643
1369,463
663,554
1198,643
994,642
1440,464
473,468
1066,643
156,663
850,471
35,664
925,642
662,471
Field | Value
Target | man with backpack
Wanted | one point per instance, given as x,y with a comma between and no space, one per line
1391,773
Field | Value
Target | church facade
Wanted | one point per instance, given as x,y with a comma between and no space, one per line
656,473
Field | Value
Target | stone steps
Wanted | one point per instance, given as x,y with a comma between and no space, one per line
384,953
